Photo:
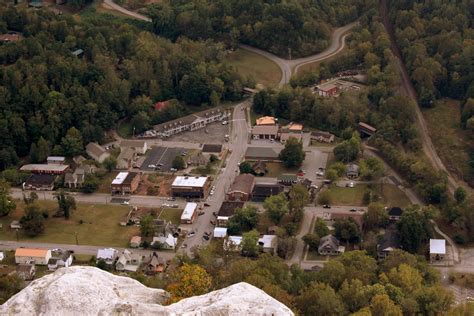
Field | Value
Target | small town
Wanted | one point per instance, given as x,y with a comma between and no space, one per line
234,158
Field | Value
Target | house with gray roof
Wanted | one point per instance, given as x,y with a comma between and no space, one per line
329,246
262,153
97,152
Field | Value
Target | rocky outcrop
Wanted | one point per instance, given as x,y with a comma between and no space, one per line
91,291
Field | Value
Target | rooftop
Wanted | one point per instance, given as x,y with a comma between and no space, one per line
228,208
56,158
265,130
31,252
327,86
182,181
44,167
395,211
266,120
188,211
107,253
40,179
212,148
120,178
243,183
95,149
126,153
262,152
438,246
267,241
220,232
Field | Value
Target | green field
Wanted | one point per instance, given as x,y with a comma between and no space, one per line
277,168
260,68
100,225
451,142
390,195
171,214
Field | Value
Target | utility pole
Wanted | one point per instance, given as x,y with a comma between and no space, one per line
77,241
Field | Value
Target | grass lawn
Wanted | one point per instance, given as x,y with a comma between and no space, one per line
262,69
124,129
171,214
390,196
100,225
451,142
104,184
314,255
277,168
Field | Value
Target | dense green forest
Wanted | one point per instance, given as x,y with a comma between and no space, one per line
296,27
46,91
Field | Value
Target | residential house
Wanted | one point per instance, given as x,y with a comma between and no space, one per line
97,152
259,168
60,259
366,129
39,182
268,243
135,241
138,146
266,120
287,179
241,188
265,132
32,255
328,89
329,245
191,187
45,168
189,213
128,261
154,264
197,160
294,130
268,154
322,137
125,183
394,213
77,178
79,160
226,211
219,232
55,160
390,241
352,171
266,188
108,255
26,272
437,250
125,158
165,242
10,37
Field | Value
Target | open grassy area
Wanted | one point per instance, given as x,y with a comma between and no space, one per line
171,214
124,129
452,143
462,279
390,195
262,69
104,184
277,168
100,225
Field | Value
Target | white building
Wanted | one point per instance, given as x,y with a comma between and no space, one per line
56,160
60,259
268,243
169,242
128,261
437,250
189,213
233,243
108,255
29,255
220,232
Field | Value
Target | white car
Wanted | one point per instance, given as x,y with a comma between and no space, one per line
151,166
225,123
125,203
351,185
211,193
191,234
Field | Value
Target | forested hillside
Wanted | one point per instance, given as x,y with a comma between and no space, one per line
295,27
46,91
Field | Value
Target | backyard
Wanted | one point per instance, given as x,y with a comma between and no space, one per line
93,224
260,68
172,215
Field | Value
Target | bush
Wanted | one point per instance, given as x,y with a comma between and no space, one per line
459,239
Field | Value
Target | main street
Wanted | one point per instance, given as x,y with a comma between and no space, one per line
237,146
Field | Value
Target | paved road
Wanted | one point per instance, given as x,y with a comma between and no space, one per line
287,67
410,92
103,198
238,145
78,249
135,15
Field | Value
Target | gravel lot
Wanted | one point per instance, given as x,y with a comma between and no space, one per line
215,134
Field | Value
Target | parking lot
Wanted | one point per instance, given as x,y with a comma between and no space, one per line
215,134
162,158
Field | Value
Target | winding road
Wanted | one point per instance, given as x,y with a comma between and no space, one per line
288,67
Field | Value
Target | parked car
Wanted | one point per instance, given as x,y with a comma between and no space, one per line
184,245
171,199
173,169
350,185
191,234
225,123
326,206
205,237
151,166
175,206
207,204
213,223
201,213
352,210
125,203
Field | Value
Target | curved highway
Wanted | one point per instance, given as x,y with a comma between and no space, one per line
287,67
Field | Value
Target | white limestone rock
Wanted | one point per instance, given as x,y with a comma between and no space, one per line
91,291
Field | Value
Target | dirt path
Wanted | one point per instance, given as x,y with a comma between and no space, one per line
410,92
135,15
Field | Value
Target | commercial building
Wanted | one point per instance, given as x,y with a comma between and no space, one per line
328,89
40,182
97,152
125,183
189,213
264,188
241,188
266,120
191,187
45,168
262,153
220,232
292,130
32,255
265,132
